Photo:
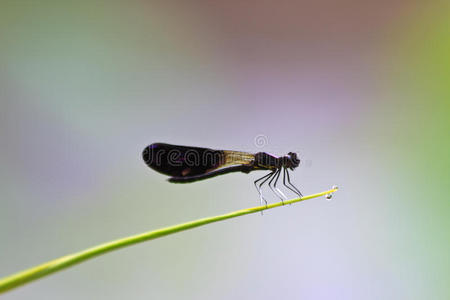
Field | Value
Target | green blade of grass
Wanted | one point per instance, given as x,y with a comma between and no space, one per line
13,281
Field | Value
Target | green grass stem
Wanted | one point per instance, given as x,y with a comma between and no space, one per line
15,280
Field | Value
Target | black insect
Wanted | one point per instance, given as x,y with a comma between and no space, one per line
188,164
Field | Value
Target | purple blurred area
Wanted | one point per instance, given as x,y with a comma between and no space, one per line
358,89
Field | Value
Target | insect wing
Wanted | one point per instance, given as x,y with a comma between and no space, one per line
182,161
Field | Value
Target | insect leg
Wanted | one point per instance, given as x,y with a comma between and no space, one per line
258,187
275,185
264,181
257,180
274,188
290,186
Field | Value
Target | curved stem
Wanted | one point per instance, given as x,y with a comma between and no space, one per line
21,278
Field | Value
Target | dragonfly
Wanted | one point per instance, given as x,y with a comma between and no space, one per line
185,164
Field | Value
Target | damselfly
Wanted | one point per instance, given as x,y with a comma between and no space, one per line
188,164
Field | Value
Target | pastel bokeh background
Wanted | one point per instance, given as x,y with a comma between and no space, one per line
359,89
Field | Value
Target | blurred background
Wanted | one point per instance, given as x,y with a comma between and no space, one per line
359,89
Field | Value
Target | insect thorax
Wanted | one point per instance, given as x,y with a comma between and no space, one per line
266,161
